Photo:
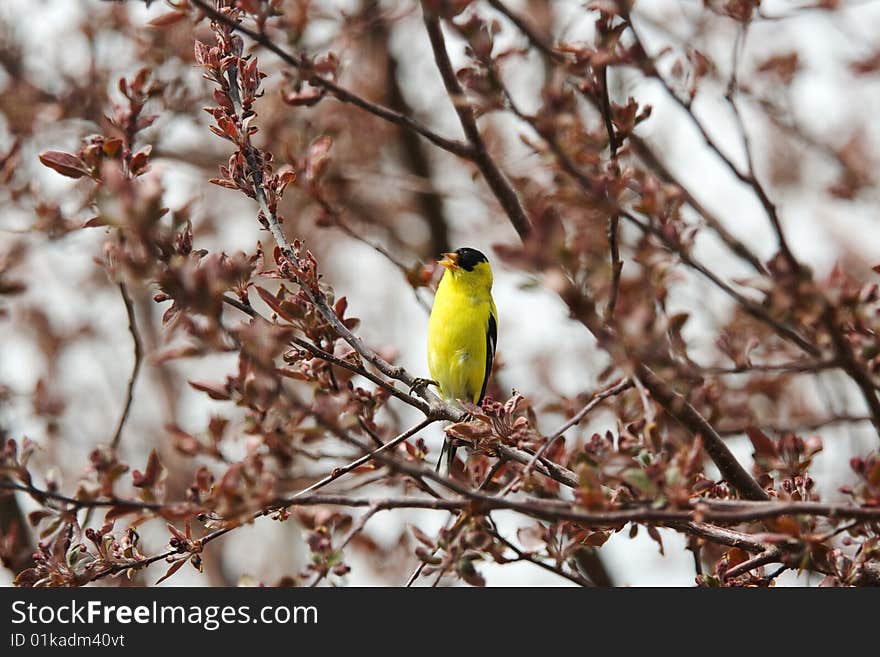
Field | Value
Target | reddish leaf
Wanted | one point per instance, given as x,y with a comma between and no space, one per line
202,53
64,163
736,556
867,65
118,511
175,532
762,444
273,302
318,159
34,517
292,374
786,525
286,176
140,160
469,430
228,184
785,67
150,476
166,19
177,565
303,98
95,222
654,533
421,537
596,539
112,147
228,127
213,391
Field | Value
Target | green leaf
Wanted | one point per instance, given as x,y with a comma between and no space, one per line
638,479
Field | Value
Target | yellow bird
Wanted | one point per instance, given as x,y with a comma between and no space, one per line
462,331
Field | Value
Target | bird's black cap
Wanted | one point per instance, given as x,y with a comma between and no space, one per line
469,258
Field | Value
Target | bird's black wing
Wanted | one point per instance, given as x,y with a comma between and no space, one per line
491,339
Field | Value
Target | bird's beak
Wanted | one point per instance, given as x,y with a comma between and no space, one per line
450,261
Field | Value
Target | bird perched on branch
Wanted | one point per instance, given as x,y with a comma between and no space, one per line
462,332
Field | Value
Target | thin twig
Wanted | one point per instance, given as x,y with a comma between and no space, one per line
791,367
796,426
701,509
369,456
491,474
648,156
527,556
41,496
138,357
614,219
677,519
751,176
590,188
415,574
346,228
577,418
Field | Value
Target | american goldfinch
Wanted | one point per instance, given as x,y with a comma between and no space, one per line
462,331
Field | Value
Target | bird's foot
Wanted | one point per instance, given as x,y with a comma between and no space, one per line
419,385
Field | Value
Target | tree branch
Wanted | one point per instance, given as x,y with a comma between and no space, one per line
614,219
340,93
438,409
493,175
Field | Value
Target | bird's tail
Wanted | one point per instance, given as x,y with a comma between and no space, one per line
444,465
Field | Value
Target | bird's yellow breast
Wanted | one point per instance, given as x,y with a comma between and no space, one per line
457,340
